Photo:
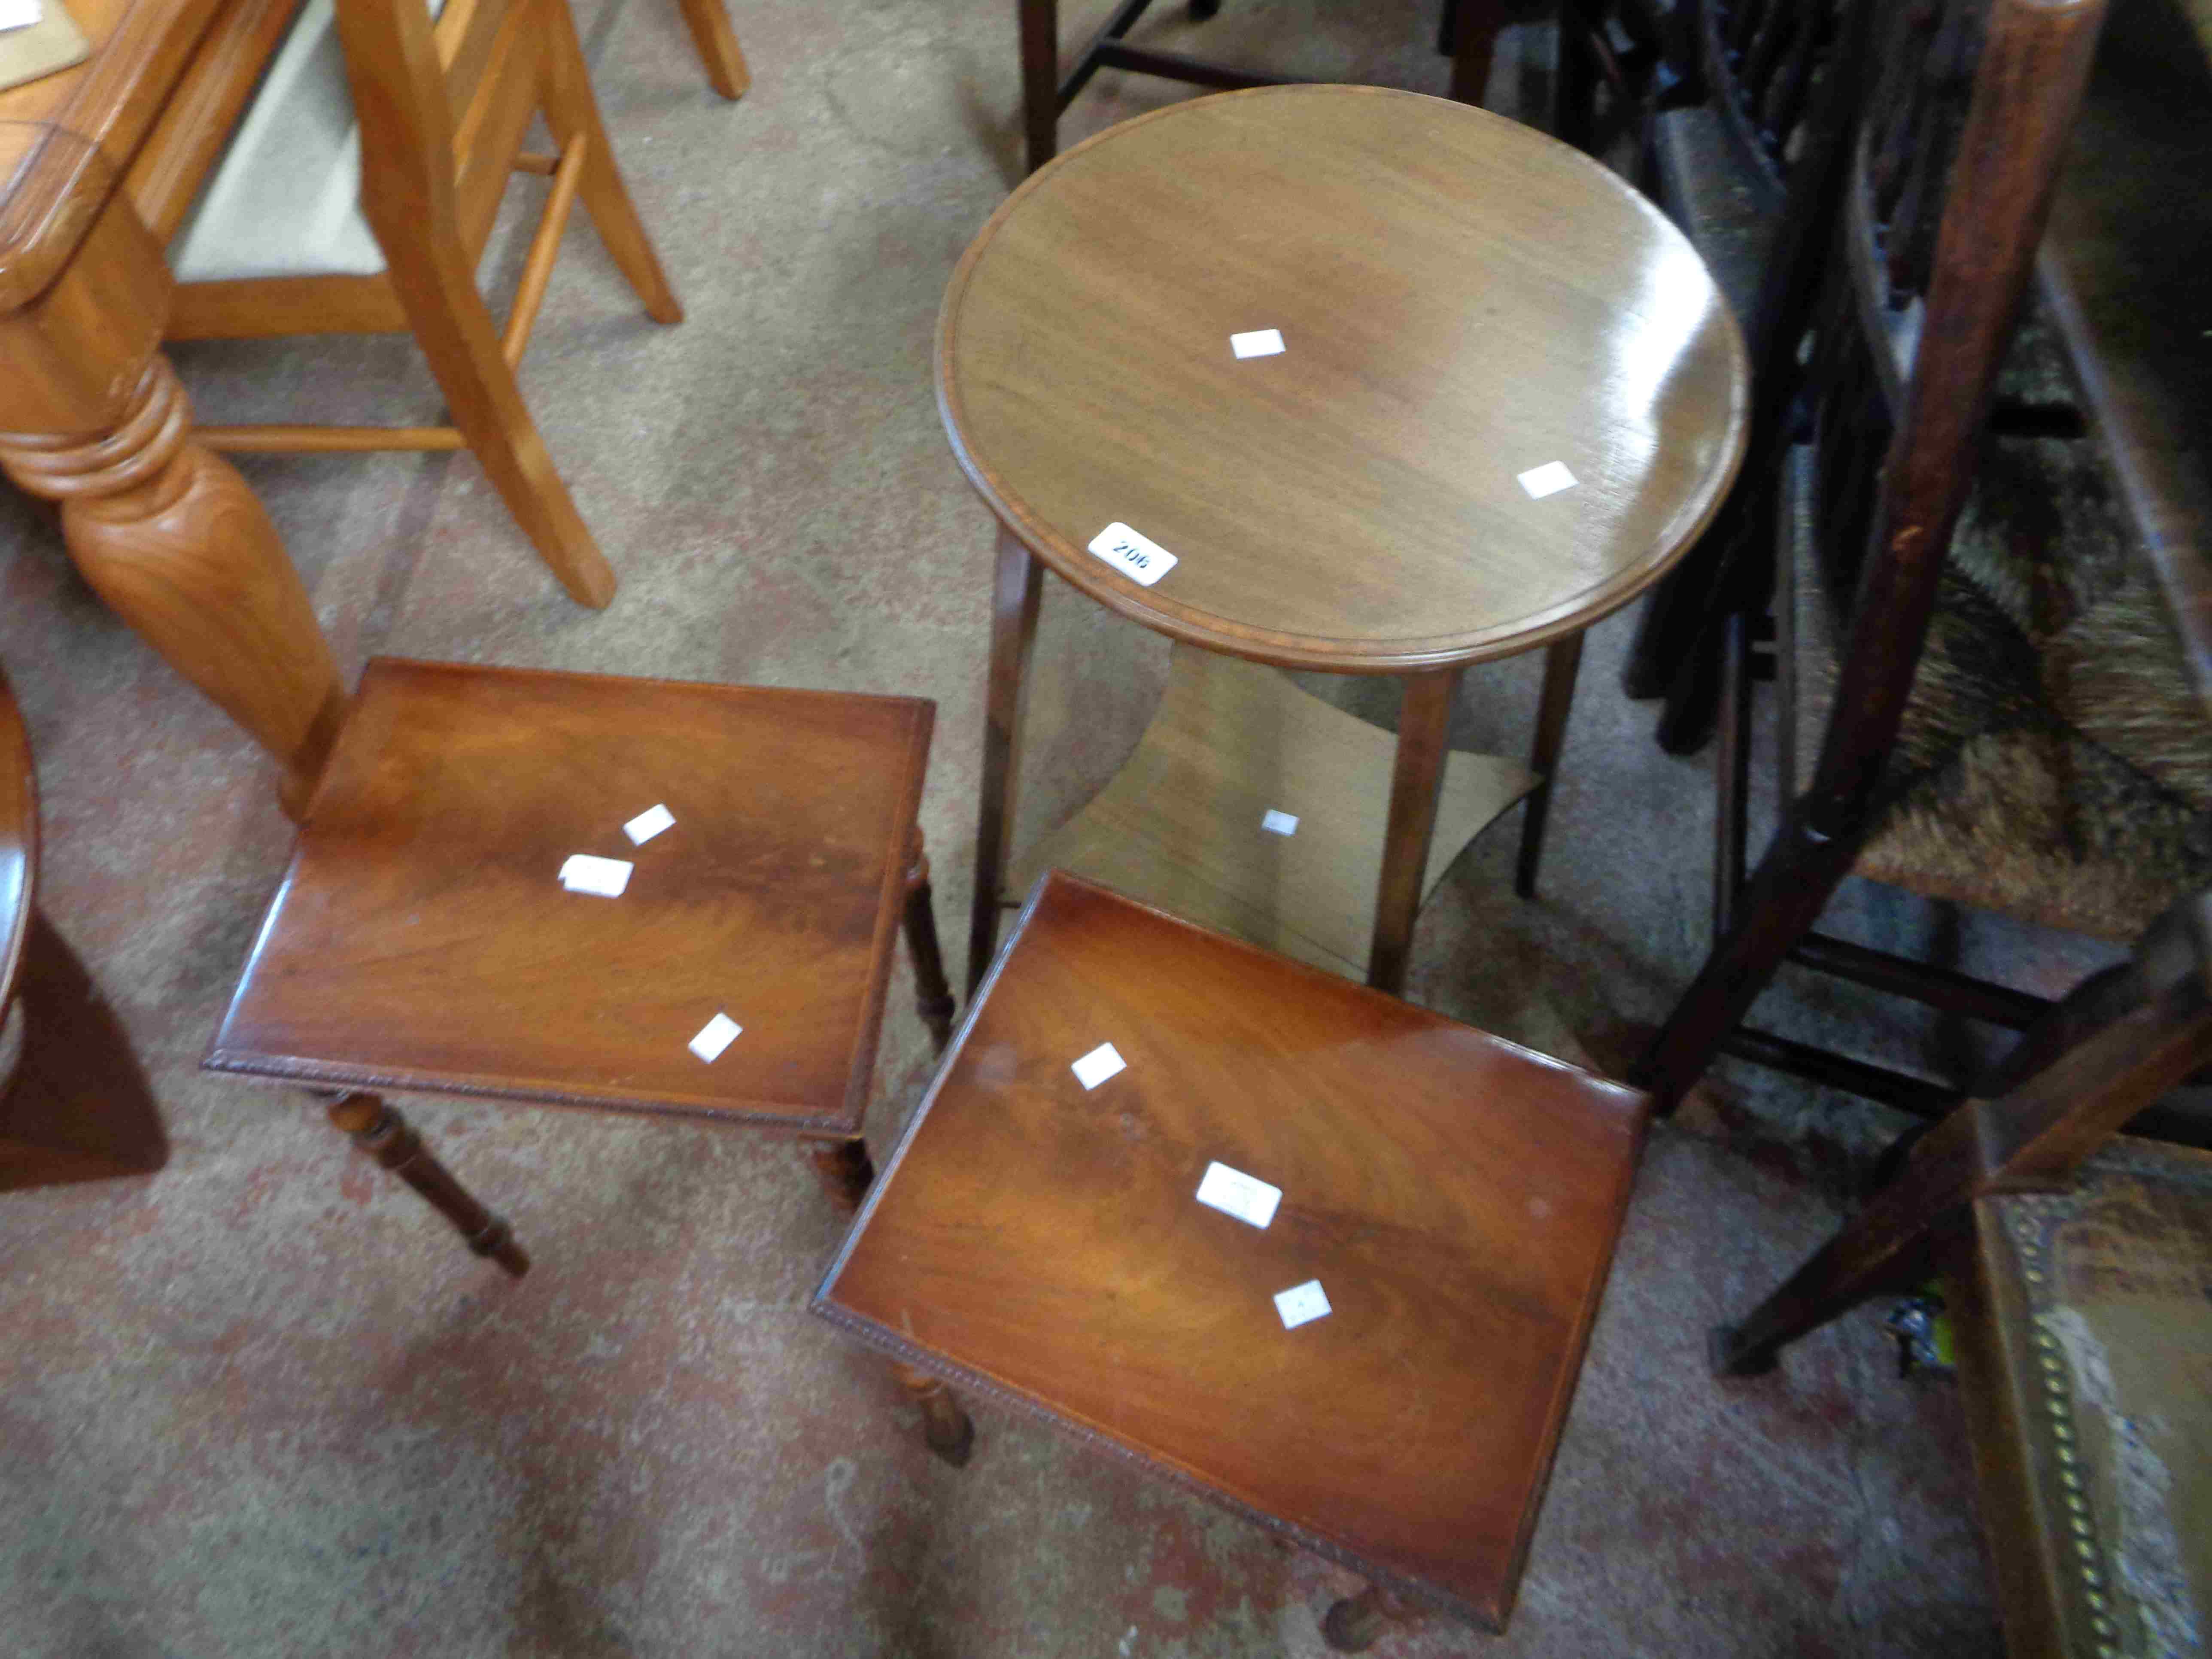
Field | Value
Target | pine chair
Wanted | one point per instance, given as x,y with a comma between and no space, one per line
356,196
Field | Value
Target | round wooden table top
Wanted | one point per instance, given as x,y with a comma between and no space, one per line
1463,303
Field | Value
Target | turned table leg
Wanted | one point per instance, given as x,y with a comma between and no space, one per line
1016,591
387,1137
1418,773
1562,663
92,416
847,1172
1353,1624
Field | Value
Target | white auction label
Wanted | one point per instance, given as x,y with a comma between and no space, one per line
1302,1303
1280,823
1101,1063
1142,560
1259,342
716,1035
583,873
1234,1192
20,14
1548,479
647,824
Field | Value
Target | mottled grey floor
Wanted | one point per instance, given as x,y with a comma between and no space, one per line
262,1403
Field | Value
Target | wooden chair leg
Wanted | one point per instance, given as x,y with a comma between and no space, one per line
945,1423
2029,1140
847,1172
1018,587
386,1136
932,993
718,46
1353,1624
570,109
1423,721
1561,662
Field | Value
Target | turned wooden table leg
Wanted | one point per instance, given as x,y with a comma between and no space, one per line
1040,38
1353,1624
847,1172
92,416
1015,592
932,993
945,1424
387,1137
1418,773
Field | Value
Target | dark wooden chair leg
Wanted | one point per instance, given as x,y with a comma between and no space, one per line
1423,722
1353,1624
847,1171
1017,590
945,1424
386,1136
1561,662
2031,1140
1040,30
932,993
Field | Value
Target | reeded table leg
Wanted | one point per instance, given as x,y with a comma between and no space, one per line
387,1137
1016,591
932,993
1422,723
92,416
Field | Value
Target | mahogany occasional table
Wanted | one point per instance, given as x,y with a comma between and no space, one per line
427,935
1366,1340
1507,396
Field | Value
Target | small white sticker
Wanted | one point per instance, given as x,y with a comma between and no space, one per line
1234,1192
1101,1063
716,1035
583,873
20,14
1548,479
1301,1304
1280,823
647,824
1140,559
1259,342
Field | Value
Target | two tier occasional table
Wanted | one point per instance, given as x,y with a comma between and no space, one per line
1395,384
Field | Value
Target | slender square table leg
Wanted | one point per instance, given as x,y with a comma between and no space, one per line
1422,723
1014,596
1563,660
1039,31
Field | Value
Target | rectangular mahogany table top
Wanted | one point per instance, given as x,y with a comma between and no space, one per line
1456,1197
422,939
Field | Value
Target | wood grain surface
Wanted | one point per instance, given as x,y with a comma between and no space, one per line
1463,300
1457,1197
422,938
1179,825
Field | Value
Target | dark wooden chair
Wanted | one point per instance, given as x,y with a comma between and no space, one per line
1318,1255
74,1104
2076,1283
2046,755
426,934
1467,35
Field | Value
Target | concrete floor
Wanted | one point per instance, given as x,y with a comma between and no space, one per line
262,1403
